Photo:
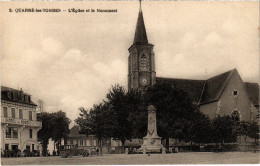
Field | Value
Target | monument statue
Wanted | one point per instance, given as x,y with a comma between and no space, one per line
151,142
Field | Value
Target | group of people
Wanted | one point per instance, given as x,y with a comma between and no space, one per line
19,153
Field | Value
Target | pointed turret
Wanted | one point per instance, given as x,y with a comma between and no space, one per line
140,32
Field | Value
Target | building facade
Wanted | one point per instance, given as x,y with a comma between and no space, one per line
19,125
224,94
82,140
88,142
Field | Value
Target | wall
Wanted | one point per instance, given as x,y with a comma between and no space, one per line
25,109
23,130
87,141
241,102
227,102
209,109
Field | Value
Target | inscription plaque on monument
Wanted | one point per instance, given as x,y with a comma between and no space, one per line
151,142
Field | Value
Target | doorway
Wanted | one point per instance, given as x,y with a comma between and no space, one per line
28,147
14,147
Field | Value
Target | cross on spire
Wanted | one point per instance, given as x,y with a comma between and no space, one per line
140,5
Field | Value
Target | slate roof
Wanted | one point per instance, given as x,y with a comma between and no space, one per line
18,96
253,92
206,91
74,132
140,32
215,86
192,87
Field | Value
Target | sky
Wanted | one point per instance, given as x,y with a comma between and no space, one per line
70,60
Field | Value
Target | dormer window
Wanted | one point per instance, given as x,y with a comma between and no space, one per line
9,95
26,98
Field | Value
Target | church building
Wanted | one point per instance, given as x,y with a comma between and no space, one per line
224,94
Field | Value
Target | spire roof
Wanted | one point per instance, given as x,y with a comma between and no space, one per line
140,32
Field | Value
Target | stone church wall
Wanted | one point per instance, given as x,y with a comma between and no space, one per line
209,109
239,102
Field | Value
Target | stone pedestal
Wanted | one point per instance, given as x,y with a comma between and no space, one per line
170,150
163,150
126,151
151,142
144,150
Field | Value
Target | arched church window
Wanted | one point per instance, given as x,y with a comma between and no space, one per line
235,116
143,57
143,62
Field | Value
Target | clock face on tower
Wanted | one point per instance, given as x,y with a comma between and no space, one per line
144,81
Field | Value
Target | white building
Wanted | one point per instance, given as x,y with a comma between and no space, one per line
19,125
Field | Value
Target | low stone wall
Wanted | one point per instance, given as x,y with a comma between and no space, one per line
185,147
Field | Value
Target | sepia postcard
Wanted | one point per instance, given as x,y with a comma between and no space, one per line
68,60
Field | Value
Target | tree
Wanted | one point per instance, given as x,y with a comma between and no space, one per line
125,108
248,129
60,127
97,121
138,117
54,125
119,117
85,121
198,129
44,133
223,130
202,128
253,131
175,111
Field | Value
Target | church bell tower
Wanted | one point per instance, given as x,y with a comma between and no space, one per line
141,64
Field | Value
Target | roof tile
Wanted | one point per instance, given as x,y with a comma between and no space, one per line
214,87
192,87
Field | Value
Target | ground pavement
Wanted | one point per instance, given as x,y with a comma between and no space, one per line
132,159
